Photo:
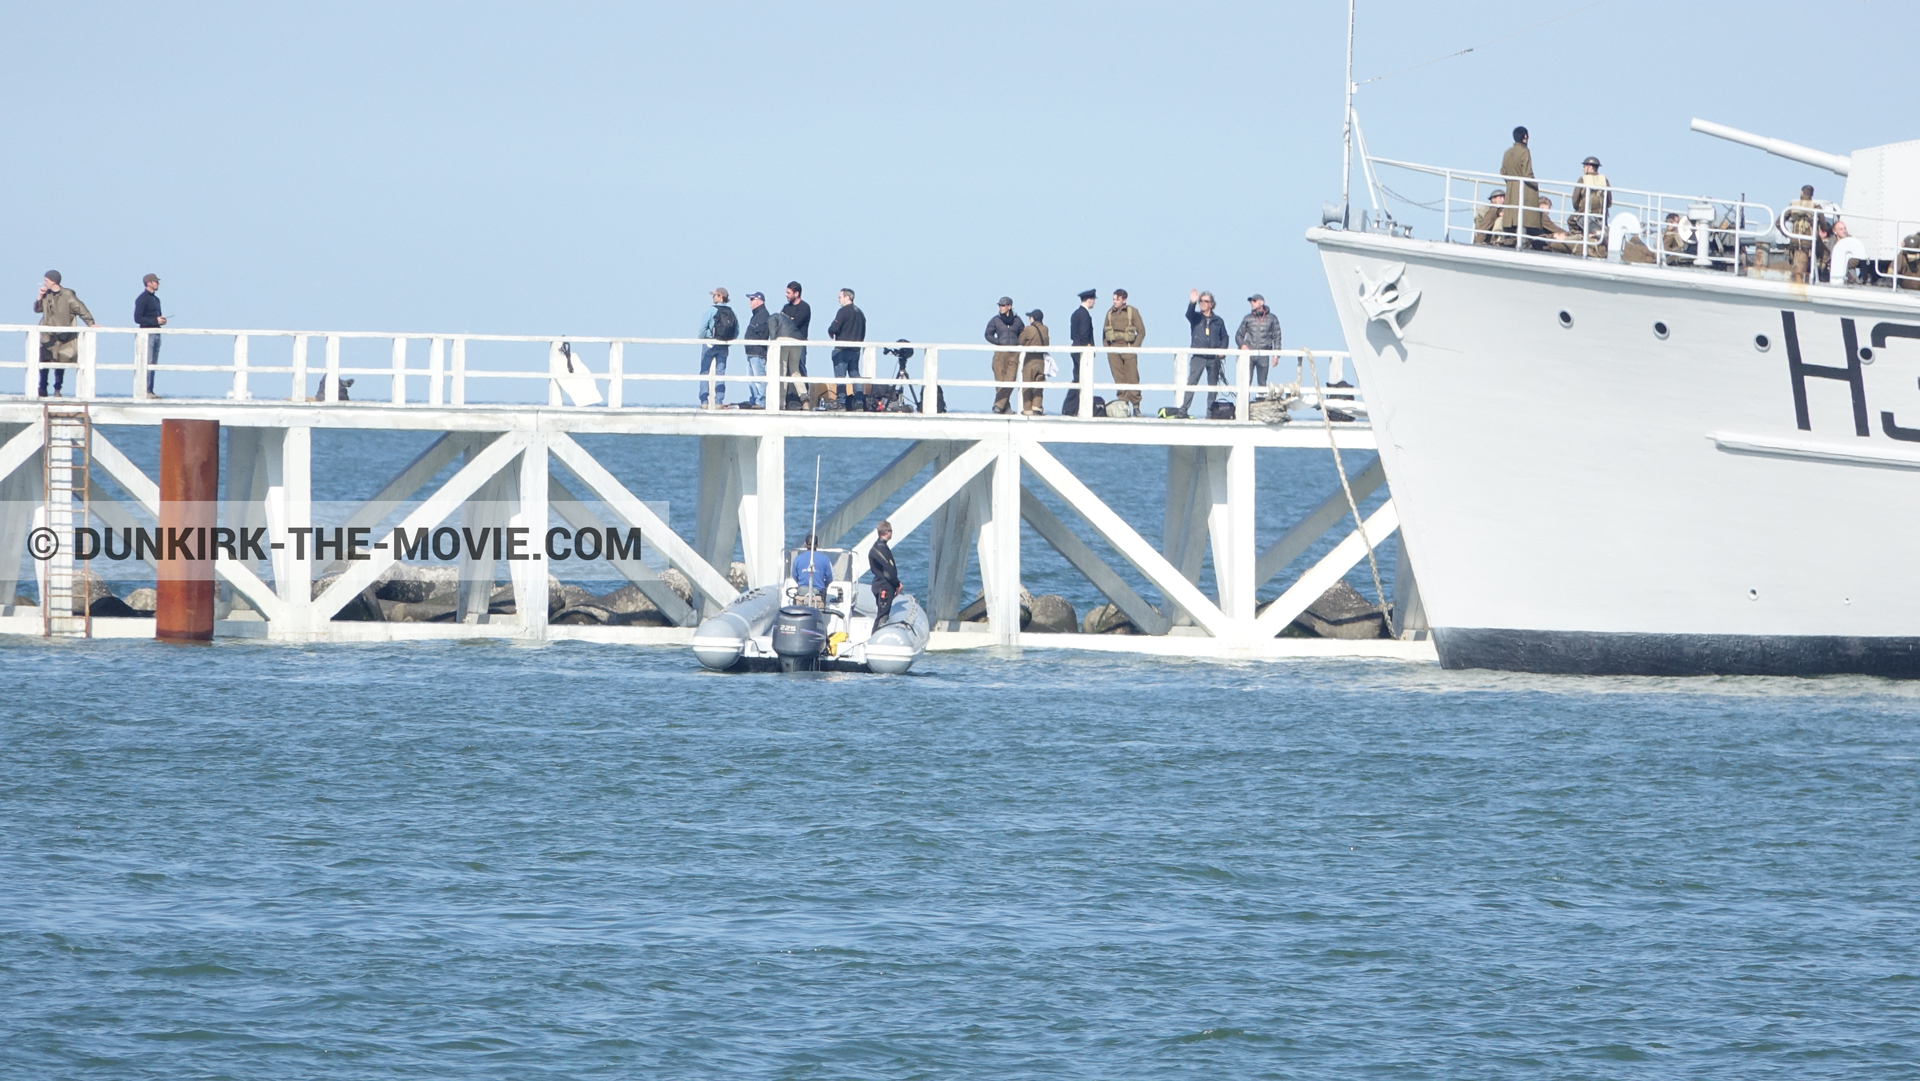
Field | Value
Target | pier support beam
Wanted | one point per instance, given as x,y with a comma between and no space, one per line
21,490
1000,545
1230,524
189,488
530,592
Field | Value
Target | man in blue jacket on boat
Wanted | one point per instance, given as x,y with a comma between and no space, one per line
812,569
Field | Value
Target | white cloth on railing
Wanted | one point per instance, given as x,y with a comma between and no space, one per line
573,376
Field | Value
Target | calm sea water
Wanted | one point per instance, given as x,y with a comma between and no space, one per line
488,860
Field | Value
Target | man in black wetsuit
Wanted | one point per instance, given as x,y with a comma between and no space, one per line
886,576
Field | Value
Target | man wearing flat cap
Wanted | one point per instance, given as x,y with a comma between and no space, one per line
58,307
1004,330
1592,198
1079,332
1033,368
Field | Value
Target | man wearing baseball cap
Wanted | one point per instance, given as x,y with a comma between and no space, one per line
1004,330
757,330
1259,329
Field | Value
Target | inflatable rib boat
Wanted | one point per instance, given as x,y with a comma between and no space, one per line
784,628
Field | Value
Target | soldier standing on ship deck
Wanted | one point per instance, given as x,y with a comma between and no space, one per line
1799,222
1518,162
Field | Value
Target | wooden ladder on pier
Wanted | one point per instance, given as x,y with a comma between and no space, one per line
66,585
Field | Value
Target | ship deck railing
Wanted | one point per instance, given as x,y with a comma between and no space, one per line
1741,236
453,370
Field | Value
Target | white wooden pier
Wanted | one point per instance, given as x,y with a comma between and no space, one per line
506,413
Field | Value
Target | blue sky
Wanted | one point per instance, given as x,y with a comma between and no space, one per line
596,168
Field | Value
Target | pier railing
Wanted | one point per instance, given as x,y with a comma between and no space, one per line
454,370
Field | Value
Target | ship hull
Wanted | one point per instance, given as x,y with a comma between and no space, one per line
1686,473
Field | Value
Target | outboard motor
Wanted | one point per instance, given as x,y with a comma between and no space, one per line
799,636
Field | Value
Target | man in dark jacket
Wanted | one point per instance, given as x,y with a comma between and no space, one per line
1004,330
886,575
146,314
1079,332
1209,332
849,325
802,315
756,354
1259,329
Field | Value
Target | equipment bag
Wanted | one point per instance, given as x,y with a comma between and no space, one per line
1220,411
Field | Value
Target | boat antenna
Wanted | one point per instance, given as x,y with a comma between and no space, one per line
1346,127
813,542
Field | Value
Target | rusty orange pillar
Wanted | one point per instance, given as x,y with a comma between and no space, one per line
189,485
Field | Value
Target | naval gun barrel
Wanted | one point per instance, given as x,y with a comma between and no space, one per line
1838,163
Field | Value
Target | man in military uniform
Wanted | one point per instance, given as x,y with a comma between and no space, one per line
1559,240
1906,268
1517,162
1800,229
1124,327
58,307
1592,199
1489,227
1033,369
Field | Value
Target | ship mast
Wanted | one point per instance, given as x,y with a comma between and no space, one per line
1346,127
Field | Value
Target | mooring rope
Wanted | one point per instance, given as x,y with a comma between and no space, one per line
1326,421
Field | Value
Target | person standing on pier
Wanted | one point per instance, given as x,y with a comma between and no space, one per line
802,315
849,325
1259,329
58,307
1124,327
1033,366
756,354
1079,332
886,574
721,325
1209,332
1004,330
146,315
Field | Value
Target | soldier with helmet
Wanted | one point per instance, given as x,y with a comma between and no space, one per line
1592,199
